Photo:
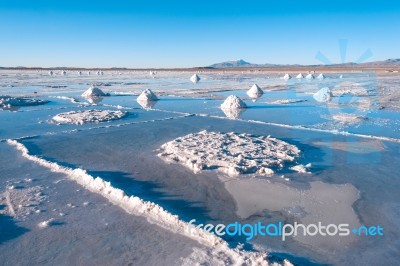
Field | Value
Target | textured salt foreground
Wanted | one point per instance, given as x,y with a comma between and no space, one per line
220,251
231,153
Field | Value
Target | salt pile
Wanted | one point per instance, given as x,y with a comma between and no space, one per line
299,76
195,78
50,73
147,95
287,76
88,116
323,95
8,102
255,91
231,153
94,92
233,102
310,76
321,76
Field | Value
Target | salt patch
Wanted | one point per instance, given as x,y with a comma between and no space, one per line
288,101
231,153
8,102
348,118
88,116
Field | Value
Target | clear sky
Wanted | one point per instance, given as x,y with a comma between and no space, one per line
152,33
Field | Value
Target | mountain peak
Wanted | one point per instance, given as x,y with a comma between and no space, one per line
233,63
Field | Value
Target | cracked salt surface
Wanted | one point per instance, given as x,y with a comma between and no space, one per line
231,153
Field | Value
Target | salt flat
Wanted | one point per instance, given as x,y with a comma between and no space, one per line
351,144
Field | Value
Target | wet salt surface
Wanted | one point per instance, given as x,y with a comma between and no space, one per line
362,166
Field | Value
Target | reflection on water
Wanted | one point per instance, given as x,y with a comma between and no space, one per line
233,113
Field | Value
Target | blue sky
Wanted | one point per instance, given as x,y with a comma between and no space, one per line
193,33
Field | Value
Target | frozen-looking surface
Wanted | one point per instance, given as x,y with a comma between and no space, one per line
88,116
231,153
345,173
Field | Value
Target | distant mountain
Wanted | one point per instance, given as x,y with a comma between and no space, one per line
388,62
234,63
243,64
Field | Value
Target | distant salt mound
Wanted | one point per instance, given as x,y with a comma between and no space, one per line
50,73
88,116
321,76
255,91
8,102
310,76
147,95
94,92
195,78
233,102
287,76
323,95
299,76
231,153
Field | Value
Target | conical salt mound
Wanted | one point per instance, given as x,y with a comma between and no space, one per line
321,76
93,92
287,76
147,95
310,76
195,78
255,91
300,76
233,102
323,95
